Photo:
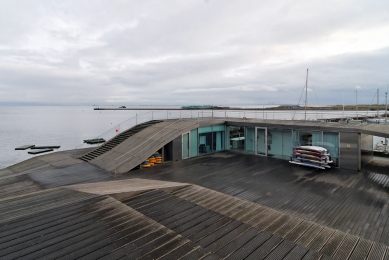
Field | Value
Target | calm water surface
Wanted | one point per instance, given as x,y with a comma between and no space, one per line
64,126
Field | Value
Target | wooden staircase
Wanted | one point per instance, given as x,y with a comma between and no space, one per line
118,139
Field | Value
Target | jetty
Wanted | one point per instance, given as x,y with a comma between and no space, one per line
209,199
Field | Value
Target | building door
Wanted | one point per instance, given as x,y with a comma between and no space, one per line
261,140
287,143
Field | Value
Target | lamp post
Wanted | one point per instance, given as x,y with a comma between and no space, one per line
386,117
356,102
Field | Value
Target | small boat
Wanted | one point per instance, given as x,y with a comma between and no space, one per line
311,152
323,162
311,156
308,164
94,141
312,148
377,120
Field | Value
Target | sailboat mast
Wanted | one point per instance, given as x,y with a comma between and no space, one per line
343,103
306,95
378,101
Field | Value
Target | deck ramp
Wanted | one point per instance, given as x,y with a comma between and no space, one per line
90,226
293,233
231,228
85,227
135,149
162,220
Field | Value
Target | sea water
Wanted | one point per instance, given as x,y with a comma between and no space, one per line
68,126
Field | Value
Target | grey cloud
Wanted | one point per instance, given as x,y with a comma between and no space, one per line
188,52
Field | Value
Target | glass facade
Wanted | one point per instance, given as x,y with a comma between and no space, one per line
256,140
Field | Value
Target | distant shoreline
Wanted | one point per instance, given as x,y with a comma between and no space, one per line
283,107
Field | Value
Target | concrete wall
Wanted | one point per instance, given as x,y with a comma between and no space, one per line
349,151
366,149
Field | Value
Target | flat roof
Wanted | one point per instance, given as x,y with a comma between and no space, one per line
371,129
353,127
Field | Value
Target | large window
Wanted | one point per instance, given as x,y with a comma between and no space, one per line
331,143
237,138
205,139
218,138
194,143
279,143
211,139
307,138
250,140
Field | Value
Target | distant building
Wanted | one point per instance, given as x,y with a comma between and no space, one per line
199,107
290,107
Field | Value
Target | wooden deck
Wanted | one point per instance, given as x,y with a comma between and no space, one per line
221,206
349,201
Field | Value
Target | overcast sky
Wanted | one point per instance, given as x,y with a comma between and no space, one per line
193,52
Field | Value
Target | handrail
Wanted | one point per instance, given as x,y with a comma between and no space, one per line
239,113
123,122
118,125
149,140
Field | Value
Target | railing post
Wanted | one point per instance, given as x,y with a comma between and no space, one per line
167,114
136,119
152,115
